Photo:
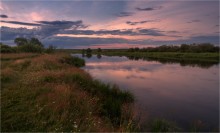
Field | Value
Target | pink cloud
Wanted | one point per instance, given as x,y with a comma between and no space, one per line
116,46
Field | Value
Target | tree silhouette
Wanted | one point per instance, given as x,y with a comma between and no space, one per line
21,41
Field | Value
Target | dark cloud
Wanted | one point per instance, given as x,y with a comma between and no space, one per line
173,31
73,24
50,28
140,22
43,29
148,8
151,32
202,39
194,21
11,33
3,16
124,14
21,23
60,22
131,32
48,35
63,24
214,39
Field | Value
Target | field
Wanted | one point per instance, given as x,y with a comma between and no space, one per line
47,92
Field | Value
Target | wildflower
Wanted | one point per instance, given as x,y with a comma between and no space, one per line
75,126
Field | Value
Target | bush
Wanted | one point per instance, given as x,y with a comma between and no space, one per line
50,49
72,60
30,48
194,48
7,49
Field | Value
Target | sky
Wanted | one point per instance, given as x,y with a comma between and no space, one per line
110,24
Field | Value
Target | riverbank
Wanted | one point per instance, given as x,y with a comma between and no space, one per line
204,60
177,56
47,92
206,57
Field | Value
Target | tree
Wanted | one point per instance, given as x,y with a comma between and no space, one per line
136,49
50,49
131,49
21,41
32,45
184,48
35,41
88,51
99,50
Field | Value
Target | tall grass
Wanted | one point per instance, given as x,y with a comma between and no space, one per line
45,94
162,125
72,60
111,97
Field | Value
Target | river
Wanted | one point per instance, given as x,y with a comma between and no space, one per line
187,94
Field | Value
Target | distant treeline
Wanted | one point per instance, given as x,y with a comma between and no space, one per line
32,45
194,48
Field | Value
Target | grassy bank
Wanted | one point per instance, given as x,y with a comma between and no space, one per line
181,56
203,60
206,57
47,92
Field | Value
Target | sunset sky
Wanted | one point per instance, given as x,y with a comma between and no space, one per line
111,24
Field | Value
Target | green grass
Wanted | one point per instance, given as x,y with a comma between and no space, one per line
111,97
162,125
46,95
72,60
213,57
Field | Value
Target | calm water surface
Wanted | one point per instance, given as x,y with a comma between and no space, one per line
184,94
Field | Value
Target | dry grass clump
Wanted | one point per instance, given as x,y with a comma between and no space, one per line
15,56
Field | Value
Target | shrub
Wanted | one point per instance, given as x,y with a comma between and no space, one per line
7,49
30,48
50,49
72,60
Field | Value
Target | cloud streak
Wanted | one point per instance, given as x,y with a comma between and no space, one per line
139,22
21,23
124,14
3,16
128,32
148,8
194,21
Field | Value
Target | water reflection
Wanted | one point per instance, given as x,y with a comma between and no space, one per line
164,88
99,56
182,62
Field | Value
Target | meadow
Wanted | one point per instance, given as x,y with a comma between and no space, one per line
48,92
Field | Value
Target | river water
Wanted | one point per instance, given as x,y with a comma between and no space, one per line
186,93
